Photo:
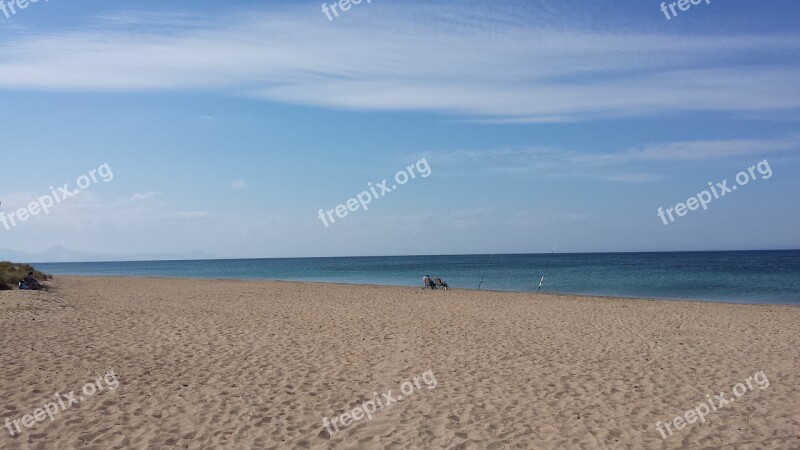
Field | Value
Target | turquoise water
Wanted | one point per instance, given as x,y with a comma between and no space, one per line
743,277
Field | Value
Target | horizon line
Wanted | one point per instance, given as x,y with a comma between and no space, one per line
415,256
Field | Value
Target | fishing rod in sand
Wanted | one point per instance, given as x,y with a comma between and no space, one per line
541,282
484,270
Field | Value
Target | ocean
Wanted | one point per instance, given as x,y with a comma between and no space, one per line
771,277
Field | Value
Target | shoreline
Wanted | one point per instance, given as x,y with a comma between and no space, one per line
553,294
758,277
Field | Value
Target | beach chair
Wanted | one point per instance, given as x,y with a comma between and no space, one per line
429,283
440,284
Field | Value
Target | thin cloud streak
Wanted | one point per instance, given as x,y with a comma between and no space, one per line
621,166
423,57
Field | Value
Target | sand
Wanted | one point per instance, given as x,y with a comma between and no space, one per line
252,364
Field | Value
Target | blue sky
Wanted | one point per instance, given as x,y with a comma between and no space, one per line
228,125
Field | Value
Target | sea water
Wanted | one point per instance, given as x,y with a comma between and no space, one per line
735,276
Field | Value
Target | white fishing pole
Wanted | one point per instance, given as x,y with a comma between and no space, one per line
541,282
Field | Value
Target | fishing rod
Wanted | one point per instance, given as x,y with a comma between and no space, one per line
484,270
545,267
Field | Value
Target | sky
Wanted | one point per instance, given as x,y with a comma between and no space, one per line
225,127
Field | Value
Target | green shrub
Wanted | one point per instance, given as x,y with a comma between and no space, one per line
11,274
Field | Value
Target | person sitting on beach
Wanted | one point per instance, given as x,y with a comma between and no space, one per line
428,283
440,283
30,283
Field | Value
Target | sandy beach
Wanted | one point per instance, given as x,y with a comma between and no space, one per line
254,364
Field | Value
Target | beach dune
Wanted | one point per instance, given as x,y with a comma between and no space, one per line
258,364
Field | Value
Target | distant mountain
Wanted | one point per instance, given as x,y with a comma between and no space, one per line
61,254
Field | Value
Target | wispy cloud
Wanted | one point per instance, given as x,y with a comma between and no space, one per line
164,22
635,177
137,197
713,149
238,184
621,166
425,57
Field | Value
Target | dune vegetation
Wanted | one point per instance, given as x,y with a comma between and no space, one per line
11,274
